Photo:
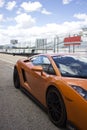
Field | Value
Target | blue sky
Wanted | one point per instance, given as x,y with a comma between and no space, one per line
25,20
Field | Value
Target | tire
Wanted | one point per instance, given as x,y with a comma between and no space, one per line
16,79
56,108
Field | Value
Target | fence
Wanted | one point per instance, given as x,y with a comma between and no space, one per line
54,45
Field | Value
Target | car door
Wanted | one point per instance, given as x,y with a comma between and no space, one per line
40,81
31,75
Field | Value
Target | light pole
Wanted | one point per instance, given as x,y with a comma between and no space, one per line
56,43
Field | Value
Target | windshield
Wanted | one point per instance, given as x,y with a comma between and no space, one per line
72,66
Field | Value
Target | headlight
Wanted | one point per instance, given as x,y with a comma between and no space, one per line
81,91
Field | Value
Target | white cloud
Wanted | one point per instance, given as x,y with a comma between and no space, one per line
72,26
19,11
31,6
25,29
2,3
24,21
66,1
81,16
48,30
1,18
10,5
9,19
44,11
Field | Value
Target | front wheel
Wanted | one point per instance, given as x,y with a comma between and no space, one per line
56,108
16,79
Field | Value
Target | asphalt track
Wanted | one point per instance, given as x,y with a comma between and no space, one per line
17,110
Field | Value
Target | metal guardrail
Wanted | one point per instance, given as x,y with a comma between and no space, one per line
20,54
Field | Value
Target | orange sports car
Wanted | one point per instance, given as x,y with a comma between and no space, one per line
59,83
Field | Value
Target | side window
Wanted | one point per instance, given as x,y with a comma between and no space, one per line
47,66
45,63
36,60
51,70
46,60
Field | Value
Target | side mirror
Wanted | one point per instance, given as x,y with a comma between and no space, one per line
37,68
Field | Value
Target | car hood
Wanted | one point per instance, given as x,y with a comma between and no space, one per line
76,81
